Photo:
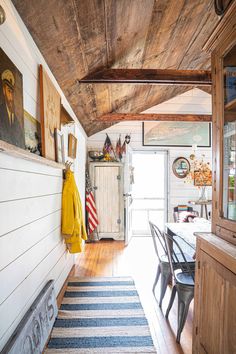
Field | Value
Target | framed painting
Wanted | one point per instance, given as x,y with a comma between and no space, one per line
50,111
11,103
60,147
32,134
72,146
177,134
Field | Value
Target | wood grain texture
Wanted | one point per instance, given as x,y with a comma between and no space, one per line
220,45
150,76
119,117
215,295
78,38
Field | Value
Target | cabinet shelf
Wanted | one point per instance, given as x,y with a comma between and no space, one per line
26,155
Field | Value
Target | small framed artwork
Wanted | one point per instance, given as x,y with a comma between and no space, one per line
72,146
11,103
50,112
177,133
32,134
60,147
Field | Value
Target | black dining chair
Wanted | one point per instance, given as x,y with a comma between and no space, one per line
163,267
183,281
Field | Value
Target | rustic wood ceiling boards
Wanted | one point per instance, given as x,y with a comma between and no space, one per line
79,37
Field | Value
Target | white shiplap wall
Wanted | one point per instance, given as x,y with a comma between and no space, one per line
193,101
32,250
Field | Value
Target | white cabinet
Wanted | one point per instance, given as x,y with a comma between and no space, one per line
107,182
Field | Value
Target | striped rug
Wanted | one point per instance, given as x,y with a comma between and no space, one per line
101,315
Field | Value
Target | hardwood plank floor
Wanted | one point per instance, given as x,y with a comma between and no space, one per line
138,259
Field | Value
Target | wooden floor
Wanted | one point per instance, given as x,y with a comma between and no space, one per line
112,258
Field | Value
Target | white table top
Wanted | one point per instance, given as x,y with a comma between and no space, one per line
186,230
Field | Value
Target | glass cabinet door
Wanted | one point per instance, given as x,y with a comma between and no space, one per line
229,136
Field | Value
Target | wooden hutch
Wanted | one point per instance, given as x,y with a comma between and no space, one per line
214,330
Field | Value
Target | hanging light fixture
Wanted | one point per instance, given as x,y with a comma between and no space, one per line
2,15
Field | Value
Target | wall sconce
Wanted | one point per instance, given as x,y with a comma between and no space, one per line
2,15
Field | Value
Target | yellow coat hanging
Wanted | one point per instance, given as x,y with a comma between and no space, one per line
73,227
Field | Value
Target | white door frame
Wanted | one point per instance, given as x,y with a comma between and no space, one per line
166,177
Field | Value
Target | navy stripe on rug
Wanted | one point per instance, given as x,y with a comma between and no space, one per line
100,322
102,306
101,342
110,293
99,283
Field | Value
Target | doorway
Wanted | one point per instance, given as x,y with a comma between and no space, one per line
149,191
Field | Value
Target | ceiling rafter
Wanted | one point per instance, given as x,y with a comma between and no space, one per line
150,76
120,117
93,35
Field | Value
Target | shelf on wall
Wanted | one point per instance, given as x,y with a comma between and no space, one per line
26,155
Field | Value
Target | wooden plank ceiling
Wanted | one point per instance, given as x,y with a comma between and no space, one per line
80,37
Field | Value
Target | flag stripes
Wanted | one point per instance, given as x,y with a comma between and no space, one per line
92,217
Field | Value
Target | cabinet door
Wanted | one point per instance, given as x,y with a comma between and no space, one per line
224,134
108,195
217,310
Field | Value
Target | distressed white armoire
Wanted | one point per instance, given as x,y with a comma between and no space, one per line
108,186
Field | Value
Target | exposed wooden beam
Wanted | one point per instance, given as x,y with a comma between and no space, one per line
120,117
150,76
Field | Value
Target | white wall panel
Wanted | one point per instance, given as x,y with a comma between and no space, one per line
24,265
9,162
17,303
20,185
15,214
26,237
32,250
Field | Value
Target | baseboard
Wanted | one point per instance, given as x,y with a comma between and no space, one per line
63,288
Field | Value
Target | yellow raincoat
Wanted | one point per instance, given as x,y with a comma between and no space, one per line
73,227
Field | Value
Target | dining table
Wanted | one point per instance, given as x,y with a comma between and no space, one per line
185,231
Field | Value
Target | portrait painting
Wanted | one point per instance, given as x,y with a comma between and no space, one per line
11,103
177,133
72,146
50,110
32,134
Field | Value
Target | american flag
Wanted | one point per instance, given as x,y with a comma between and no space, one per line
92,218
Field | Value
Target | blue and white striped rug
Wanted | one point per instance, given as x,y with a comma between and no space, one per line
101,315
